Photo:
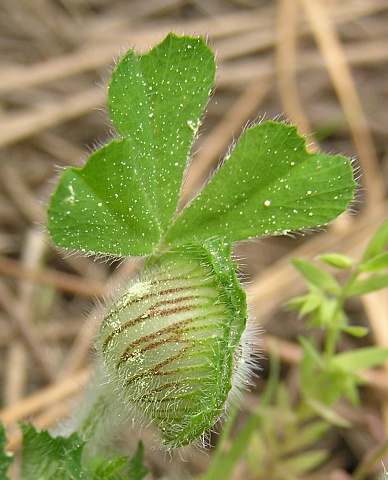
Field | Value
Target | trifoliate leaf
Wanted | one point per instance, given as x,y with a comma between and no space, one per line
123,199
269,184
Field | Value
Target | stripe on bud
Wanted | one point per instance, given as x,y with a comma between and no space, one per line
171,342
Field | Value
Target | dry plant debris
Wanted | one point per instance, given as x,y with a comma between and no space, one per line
323,65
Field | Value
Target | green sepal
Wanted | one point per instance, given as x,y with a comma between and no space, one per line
269,184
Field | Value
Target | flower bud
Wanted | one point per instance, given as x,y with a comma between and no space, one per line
171,343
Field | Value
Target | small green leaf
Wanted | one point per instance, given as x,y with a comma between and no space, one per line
350,387
328,314
376,244
100,468
307,303
137,470
305,461
269,184
307,436
5,457
322,381
317,276
327,413
355,331
118,468
367,285
375,264
73,461
310,352
45,457
337,260
355,360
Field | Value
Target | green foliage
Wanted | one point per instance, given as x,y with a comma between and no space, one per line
118,468
328,375
45,457
279,440
269,184
5,457
276,441
123,202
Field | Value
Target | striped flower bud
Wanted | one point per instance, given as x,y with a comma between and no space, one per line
171,343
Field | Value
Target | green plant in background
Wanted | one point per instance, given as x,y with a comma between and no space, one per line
324,303
279,439
173,347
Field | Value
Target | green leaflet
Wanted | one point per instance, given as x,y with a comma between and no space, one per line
269,184
103,207
123,199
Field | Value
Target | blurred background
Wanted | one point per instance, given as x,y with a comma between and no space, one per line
321,65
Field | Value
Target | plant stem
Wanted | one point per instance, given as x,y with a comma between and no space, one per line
96,418
333,329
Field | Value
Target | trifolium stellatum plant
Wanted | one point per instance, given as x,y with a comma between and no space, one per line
173,347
